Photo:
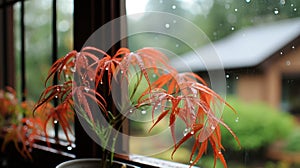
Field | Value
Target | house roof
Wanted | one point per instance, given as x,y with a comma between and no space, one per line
245,48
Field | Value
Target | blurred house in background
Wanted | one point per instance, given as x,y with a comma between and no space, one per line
261,63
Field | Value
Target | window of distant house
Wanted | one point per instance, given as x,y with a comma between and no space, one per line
257,43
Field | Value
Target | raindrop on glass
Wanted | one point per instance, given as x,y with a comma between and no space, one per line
143,111
69,148
56,97
276,11
293,47
106,68
282,2
122,72
236,77
173,6
213,127
101,82
232,28
227,6
281,53
227,76
191,162
292,5
55,121
174,21
192,132
130,111
237,119
167,25
295,9
235,9
248,1
154,75
288,63
177,45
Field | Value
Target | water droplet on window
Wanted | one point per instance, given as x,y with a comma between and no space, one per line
101,82
167,25
122,72
293,47
106,68
292,5
143,111
235,9
232,28
56,97
154,75
288,63
177,45
248,1
227,6
282,2
213,127
237,119
276,11
58,89
227,76
220,152
236,77
130,111
191,162
281,53
174,21
228,86
55,121
69,148
173,6
192,132
295,9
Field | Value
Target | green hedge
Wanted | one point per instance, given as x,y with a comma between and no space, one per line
256,125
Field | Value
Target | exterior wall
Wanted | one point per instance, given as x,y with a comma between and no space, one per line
267,86
250,88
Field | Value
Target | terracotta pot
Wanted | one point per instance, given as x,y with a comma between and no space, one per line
91,163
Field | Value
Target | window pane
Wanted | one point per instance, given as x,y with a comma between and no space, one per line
38,43
257,43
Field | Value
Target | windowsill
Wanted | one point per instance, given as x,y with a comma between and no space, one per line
154,162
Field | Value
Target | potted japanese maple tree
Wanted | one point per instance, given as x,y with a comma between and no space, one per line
87,79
